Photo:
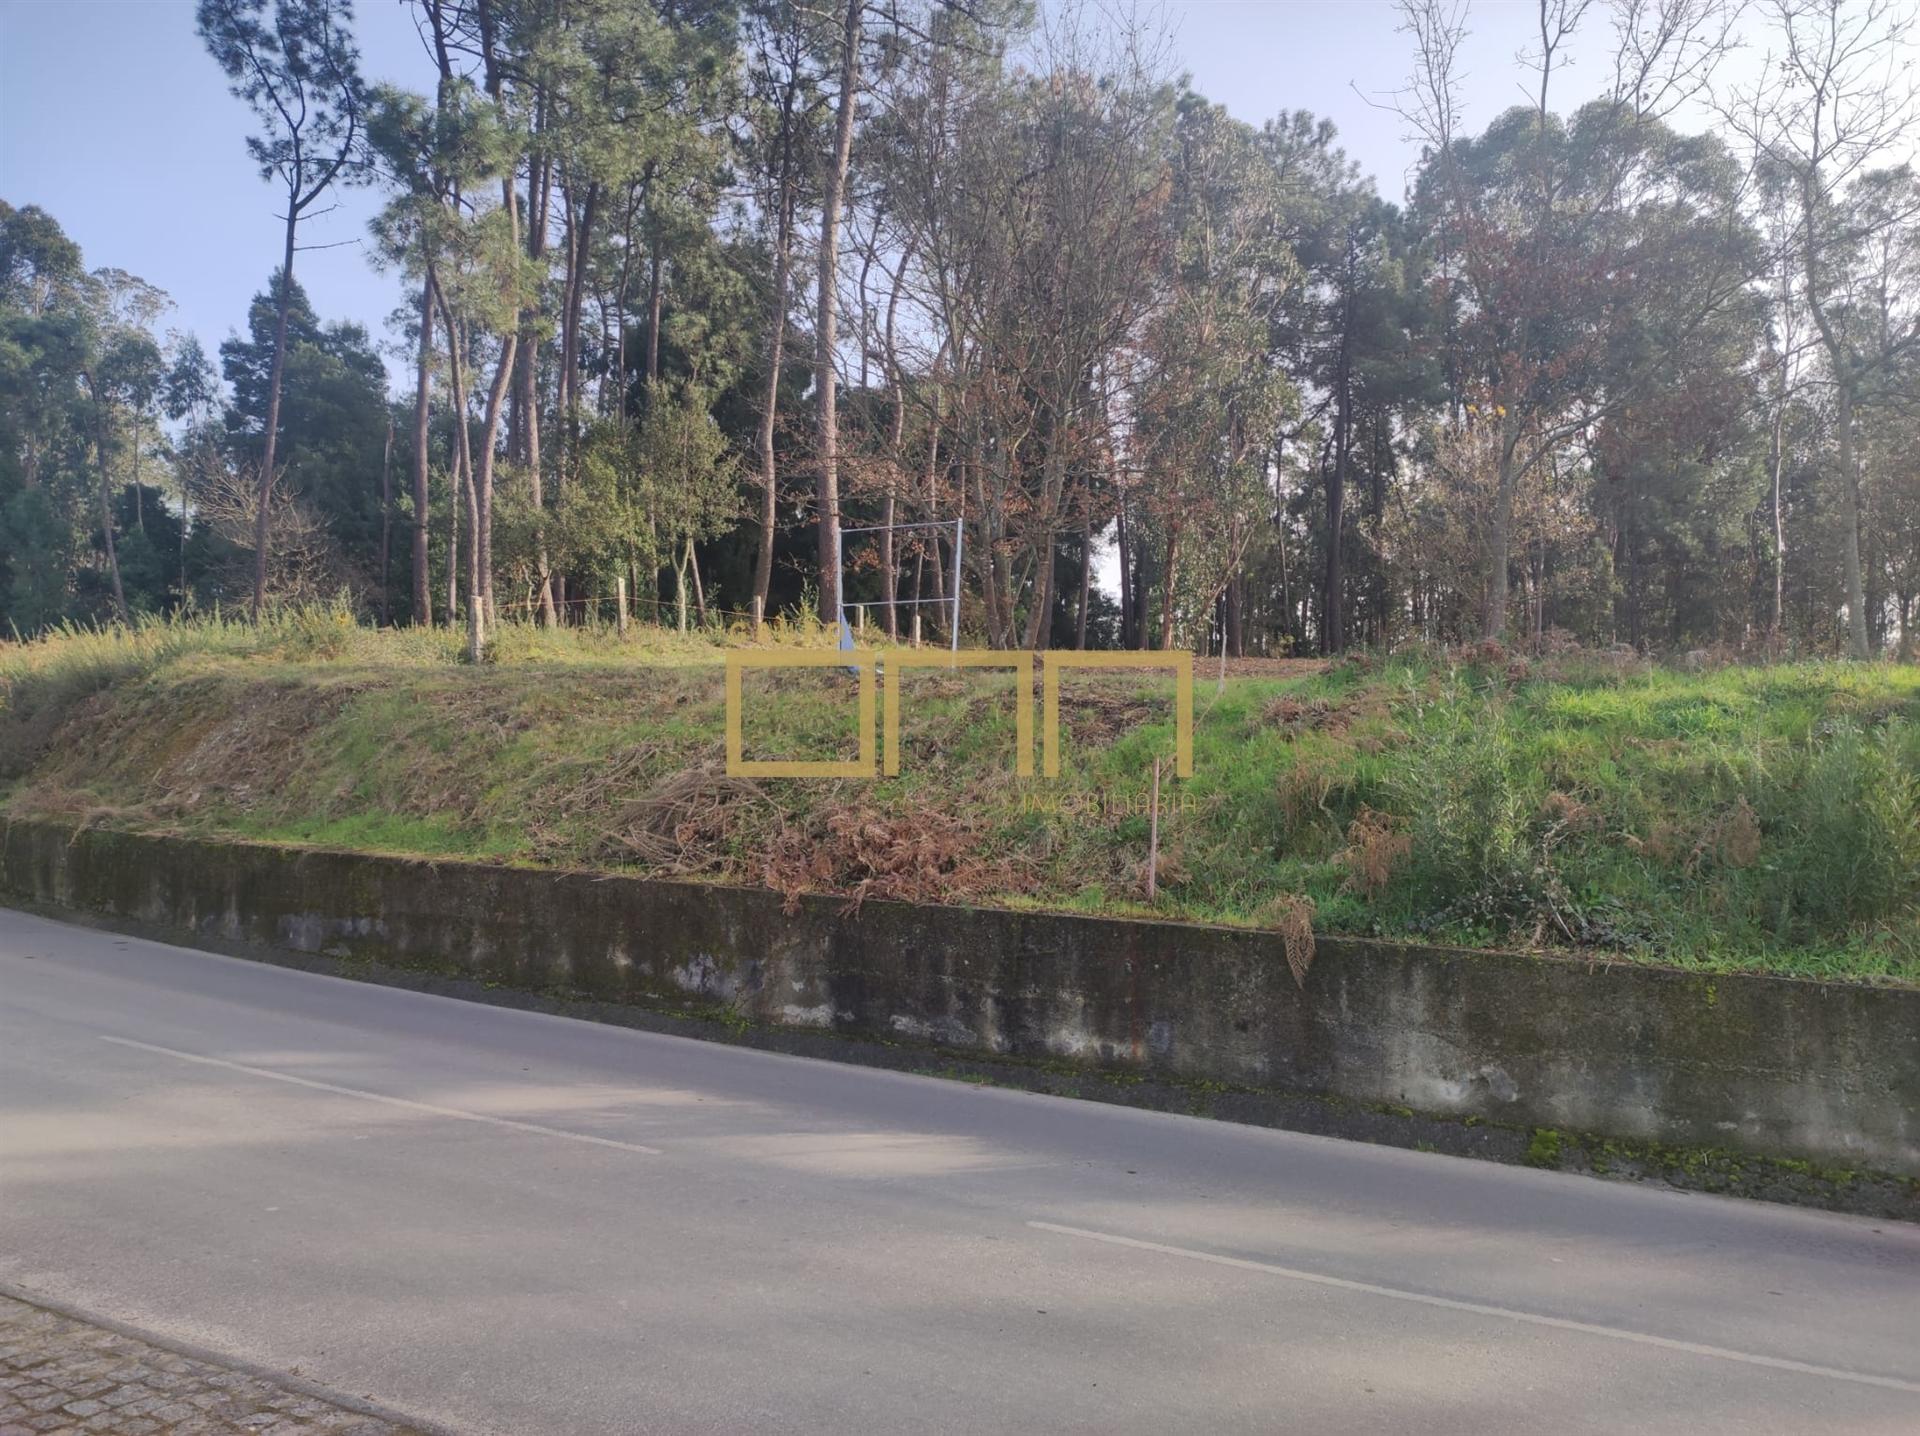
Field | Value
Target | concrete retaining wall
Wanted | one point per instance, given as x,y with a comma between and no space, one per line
1773,1066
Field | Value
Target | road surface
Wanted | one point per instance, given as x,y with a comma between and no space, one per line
502,1221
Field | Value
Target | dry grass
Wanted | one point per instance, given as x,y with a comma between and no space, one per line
681,825
1376,844
1732,815
862,850
1291,915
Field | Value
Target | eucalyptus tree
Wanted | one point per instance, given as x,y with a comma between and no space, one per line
894,31
295,64
431,156
1544,233
481,283
1348,332
1787,368
780,140
1027,213
1835,109
827,302
122,382
688,472
1110,150
403,233
1211,397
333,424
614,105
45,335
190,396
945,152
81,375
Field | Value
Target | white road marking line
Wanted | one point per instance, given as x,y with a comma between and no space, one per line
1615,1333
534,1127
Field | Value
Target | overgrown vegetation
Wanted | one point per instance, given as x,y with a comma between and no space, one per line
1764,817
1635,360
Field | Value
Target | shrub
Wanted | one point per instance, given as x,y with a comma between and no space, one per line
1840,826
1471,854
1376,845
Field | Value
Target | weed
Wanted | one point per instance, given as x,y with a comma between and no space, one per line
1716,818
1376,844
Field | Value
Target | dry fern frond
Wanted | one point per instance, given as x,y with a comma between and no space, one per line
1375,846
1291,915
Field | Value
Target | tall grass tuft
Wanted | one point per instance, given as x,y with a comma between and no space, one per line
1474,856
1841,832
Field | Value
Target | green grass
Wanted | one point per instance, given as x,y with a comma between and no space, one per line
1741,818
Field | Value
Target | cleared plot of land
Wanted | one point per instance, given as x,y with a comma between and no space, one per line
1751,817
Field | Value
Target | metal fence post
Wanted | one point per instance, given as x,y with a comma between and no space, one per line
959,538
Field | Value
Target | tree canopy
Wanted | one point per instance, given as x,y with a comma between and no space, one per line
692,286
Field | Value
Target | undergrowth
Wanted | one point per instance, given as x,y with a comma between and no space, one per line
1736,818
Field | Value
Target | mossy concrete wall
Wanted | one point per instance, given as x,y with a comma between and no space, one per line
1778,1067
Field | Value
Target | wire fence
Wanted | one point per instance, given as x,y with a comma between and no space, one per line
609,603
602,610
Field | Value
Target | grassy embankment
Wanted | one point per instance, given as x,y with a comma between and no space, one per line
1739,818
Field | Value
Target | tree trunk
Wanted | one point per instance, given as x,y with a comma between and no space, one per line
476,596
1286,586
422,435
1333,617
896,439
455,512
1499,535
578,241
940,590
463,455
526,403
1376,518
386,524
823,372
1086,583
536,484
1840,361
1333,636
263,519
770,406
1858,644
699,589
1040,621
186,524
525,440
106,504
1540,596
1167,585
655,303
1778,458
483,472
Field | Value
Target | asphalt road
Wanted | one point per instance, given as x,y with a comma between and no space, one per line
502,1221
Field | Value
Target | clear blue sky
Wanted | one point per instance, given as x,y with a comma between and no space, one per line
114,120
